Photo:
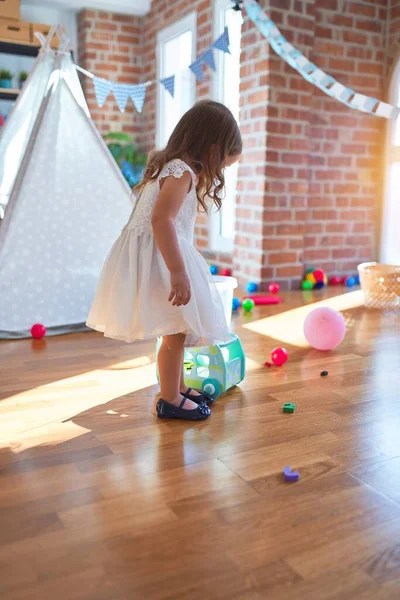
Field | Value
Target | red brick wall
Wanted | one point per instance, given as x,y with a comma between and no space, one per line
393,34
281,164
310,177
110,46
345,183
323,161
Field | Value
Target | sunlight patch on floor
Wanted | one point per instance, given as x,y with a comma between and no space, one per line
43,437
65,398
252,365
132,363
287,327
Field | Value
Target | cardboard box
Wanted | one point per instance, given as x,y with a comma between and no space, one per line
10,9
14,31
44,29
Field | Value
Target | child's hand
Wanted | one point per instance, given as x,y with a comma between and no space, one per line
180,289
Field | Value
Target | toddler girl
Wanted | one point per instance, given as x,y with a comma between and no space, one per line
154,282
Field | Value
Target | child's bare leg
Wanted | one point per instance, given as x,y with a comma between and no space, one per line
183,387
170,360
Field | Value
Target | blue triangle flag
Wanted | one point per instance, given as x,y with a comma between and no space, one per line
121,93
102,88
222,43
208,58
169,84
138,95
197,69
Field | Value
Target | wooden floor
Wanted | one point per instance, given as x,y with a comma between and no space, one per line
101,501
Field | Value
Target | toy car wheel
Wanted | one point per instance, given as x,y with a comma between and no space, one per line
212,387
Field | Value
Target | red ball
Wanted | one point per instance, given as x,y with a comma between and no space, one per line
335,280
38,331
319,275
267,364
226,272
343,280
273,288
279,356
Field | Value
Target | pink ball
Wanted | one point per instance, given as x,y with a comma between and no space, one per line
279,356
273,288
38,331
324,328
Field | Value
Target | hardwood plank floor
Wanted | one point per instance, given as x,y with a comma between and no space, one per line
100,501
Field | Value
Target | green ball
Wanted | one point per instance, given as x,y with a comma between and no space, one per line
306,285
248,304
310,270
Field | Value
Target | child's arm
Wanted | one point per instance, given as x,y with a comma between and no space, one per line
170,199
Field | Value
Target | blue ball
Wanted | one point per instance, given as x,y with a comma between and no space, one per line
213,270
350,281
319,285
236,303
357,279
251,287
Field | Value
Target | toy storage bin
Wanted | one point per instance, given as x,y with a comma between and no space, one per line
225,287
380,284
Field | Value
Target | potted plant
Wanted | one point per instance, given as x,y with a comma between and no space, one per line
5,78
23,76
130,161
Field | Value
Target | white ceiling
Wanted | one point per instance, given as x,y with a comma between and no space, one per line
128,7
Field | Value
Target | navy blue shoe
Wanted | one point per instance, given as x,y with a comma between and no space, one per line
204,398
166,410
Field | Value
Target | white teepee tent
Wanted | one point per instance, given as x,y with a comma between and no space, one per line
64,198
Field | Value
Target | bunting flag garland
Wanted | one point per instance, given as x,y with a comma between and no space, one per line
208,59
197,68
123,91
102,88
138,95
169,84
222,43
310,71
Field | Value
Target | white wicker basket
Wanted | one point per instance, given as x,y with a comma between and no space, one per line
380,284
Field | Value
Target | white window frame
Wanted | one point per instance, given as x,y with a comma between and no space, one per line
188,23
392,155
217,242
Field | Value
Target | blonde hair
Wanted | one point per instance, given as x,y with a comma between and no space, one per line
206,135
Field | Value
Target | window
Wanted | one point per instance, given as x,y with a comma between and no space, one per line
176,47
226,90
390,244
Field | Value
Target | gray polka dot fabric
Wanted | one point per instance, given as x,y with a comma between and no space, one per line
71,207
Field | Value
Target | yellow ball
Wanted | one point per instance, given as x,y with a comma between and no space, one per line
310,277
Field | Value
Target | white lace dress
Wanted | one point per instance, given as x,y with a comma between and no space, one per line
131,301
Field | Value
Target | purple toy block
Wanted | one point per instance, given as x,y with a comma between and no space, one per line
290,475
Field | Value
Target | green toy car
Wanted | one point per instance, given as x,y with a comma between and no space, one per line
214,369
